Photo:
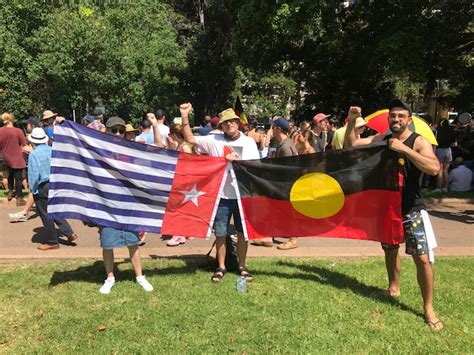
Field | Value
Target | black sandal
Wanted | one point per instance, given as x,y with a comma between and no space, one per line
243,271
218,275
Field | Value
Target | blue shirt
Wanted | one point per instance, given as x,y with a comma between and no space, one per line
145,137
204,131
39,166
49,131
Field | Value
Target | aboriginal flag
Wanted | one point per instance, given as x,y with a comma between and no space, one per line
352,194
239,111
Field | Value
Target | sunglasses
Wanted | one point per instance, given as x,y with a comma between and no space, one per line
117,130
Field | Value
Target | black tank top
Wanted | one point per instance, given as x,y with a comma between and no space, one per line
412,200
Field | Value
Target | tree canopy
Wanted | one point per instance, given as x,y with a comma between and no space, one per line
291,57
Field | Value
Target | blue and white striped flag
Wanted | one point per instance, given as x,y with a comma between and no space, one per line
108,181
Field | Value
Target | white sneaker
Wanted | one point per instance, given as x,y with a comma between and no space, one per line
143,282
107,286
18,217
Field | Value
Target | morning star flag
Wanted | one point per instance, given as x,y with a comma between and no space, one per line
108,181
351,194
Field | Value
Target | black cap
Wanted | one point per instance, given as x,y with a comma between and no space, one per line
33,120
399,103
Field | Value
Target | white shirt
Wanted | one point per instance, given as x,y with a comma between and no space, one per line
164,132
460,179
213,145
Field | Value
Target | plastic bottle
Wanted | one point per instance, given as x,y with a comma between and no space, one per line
241,284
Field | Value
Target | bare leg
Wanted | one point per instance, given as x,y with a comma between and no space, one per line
135,257
221,251
29,203
108,261
242,246
424,275
445,172
393,265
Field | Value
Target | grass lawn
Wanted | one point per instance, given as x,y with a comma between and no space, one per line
293,305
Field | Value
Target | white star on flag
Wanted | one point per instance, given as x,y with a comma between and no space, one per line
192,195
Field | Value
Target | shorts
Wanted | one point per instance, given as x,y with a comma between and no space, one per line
415,235
444,155
111,238
227,208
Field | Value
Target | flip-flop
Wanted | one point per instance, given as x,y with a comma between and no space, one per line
243,271
218,275
435,325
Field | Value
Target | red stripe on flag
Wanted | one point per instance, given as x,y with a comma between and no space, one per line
367,215
193,196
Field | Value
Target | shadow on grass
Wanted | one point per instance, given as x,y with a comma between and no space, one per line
341,281
467,216
95,273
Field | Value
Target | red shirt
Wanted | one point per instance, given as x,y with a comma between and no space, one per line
11,141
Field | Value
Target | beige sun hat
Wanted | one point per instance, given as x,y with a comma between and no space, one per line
130,128
360,122
228,115
48,114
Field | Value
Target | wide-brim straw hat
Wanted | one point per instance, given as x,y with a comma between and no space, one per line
48,114
130,128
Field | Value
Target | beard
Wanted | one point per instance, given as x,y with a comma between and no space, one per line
397,127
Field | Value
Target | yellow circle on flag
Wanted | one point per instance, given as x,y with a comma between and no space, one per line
317,195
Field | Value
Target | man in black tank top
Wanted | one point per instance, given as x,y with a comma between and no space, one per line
417,156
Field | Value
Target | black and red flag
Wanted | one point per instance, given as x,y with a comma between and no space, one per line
352,194
239,111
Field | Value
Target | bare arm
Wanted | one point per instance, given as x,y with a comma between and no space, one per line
156,130
421,155
351,139
187,132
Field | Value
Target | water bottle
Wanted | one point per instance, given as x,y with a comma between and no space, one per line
241,284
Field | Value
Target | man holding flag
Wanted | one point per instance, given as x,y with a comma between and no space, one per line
233,145
416,156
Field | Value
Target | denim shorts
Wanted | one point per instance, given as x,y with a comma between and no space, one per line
415,235
227,208
111,238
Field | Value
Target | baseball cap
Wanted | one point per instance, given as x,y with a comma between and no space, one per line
33,120
214,121
114,121
399,103
320,116
282,123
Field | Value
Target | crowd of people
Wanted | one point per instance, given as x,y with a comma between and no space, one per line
27,157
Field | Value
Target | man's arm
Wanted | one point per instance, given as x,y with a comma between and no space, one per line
184,109
156,130
421,155
351,139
